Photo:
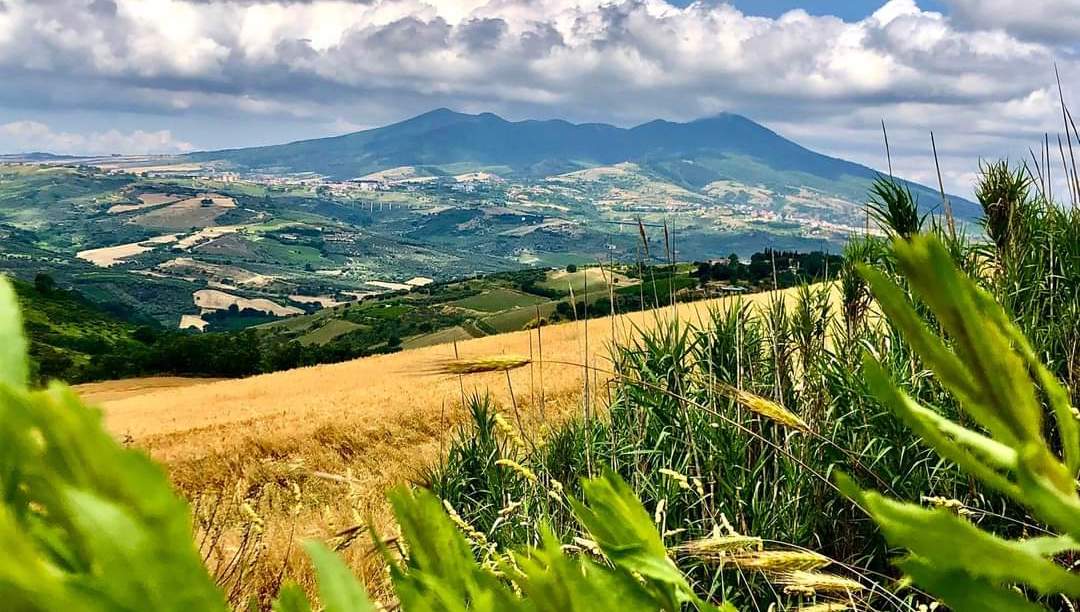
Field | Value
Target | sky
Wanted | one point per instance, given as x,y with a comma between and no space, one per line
167,76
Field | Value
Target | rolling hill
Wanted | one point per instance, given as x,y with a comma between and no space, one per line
725,147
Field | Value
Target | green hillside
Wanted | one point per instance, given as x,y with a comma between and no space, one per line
693,154
67,332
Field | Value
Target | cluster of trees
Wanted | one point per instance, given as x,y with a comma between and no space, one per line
784,268
225,354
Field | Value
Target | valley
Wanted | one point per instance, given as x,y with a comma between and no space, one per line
225,240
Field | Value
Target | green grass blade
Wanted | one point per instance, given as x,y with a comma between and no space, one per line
339,590
14,366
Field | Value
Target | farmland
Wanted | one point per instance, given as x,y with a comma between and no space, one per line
212,435
497,300
318,237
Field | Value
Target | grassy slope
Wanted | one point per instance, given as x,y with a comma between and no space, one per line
498,300
63,325
384,418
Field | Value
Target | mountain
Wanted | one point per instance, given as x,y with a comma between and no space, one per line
692,155
35,156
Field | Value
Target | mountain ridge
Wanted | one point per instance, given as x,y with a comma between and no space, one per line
725,146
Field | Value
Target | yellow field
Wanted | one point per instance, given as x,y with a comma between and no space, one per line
112,390
110,256
380,419
213,299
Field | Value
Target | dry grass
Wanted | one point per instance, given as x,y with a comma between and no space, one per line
110,256
187,213
112,390
377,421
212,299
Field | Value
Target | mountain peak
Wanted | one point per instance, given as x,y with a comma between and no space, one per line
725,146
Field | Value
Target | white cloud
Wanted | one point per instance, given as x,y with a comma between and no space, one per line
1034,19
980,77
27,136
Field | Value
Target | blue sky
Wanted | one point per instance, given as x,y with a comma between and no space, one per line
851,10
134,76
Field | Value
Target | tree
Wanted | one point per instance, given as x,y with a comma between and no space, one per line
563,310
44,283
571,268
145,334
703,272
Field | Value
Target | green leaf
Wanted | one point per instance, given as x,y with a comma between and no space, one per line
950,543
894,302
27,581
441,573
339,590
1049,546
623,529
963,593
554,582
291,598
970,450
103,518
14,366
1066,416
1006,393
1040,476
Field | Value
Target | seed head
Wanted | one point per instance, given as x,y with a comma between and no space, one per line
777,561
826,607
684,482
811,583
954,505
764,407
719,547
480,365
517,467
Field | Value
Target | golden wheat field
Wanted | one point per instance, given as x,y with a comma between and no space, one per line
269,442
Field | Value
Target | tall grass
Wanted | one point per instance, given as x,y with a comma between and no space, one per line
692,418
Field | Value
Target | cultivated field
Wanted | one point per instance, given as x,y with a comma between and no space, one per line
597,279
497,300
212,299
188,267
200,211
110,256
379,420
443,336
146,200
332,329
112,390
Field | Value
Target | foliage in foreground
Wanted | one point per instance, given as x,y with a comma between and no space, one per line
89,525
677,401
991,367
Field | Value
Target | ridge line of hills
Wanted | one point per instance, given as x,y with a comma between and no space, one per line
693,154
